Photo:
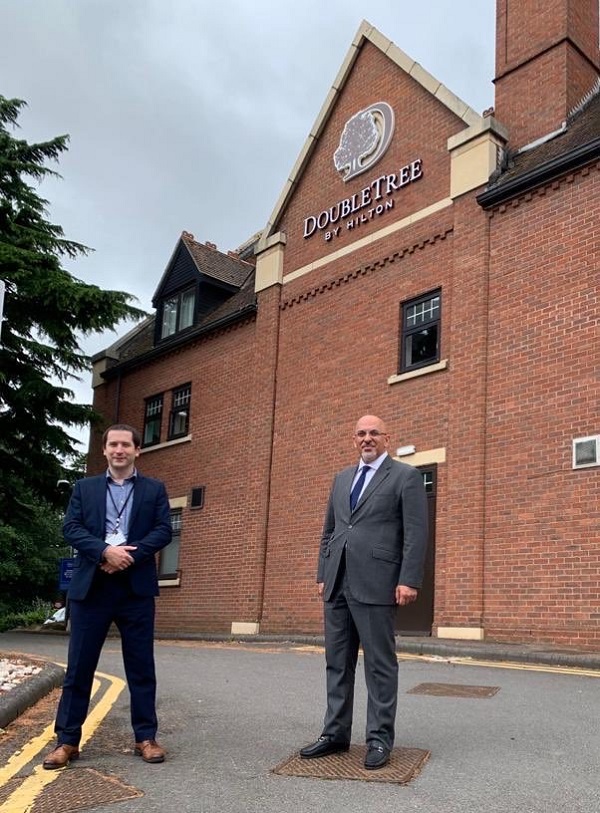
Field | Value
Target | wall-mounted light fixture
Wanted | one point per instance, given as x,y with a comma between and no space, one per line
403,451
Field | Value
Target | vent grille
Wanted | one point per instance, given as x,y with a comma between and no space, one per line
197,500
586,452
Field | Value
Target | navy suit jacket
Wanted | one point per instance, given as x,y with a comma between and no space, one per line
85,529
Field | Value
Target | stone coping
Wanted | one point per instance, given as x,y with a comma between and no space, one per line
31,689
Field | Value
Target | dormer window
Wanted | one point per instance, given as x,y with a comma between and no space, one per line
196,283
178,312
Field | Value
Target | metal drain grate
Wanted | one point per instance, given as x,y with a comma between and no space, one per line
454,690
404,765
8,788
82,788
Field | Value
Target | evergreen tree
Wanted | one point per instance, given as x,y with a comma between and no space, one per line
47,311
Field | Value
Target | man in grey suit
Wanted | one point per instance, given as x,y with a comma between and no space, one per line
371,559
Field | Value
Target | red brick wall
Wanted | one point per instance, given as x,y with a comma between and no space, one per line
338,346
546,61
542,565
340,343
423,126
460,543
222,545
274,401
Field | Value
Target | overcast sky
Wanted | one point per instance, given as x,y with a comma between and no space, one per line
190,114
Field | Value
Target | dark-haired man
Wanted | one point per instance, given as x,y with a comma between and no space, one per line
116,522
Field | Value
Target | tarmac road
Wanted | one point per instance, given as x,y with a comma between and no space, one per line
229,713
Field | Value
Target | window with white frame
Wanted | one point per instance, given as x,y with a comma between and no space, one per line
168,562
178,312
152,420
179,417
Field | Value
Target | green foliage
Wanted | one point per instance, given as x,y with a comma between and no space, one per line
29,554
47,311
31,615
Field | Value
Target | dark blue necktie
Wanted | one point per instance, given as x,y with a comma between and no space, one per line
355,493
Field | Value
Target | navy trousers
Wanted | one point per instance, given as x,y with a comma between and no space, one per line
110,600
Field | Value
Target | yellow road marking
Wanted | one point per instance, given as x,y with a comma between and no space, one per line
406,656
524,667
31,749
24,797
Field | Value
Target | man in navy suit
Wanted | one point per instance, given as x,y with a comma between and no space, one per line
116,522
371,560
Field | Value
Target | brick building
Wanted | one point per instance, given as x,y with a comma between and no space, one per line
425,263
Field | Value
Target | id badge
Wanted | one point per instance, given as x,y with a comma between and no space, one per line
115,539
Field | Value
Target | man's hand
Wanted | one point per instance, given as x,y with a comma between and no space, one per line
405,595
321,588
116,558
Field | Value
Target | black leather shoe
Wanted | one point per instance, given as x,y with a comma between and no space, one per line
377,756
322,747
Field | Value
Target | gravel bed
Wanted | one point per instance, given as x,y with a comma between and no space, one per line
14,671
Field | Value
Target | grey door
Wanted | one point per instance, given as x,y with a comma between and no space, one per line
417,618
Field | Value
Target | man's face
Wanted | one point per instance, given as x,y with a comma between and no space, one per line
370,438
120,450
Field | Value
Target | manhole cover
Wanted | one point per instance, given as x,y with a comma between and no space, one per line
404,765
82,788
453,690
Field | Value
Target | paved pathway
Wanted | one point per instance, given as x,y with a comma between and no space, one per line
231,712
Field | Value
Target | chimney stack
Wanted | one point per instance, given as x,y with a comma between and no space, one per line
546,61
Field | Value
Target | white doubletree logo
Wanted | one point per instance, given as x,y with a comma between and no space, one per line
365,138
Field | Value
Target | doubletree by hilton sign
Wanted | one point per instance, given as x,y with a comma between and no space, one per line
364,140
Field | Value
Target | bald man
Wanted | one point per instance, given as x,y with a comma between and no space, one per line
371,560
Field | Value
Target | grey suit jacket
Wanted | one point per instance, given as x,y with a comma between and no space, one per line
385,537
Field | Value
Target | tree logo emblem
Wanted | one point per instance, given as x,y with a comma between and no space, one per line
364,140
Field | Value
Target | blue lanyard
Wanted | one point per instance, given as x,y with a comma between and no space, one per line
123,507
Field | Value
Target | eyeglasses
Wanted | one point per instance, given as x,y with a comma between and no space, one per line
374,433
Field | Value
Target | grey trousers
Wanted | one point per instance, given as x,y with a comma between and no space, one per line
348,624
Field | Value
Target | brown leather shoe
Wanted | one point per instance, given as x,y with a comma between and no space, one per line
150,751
61,756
